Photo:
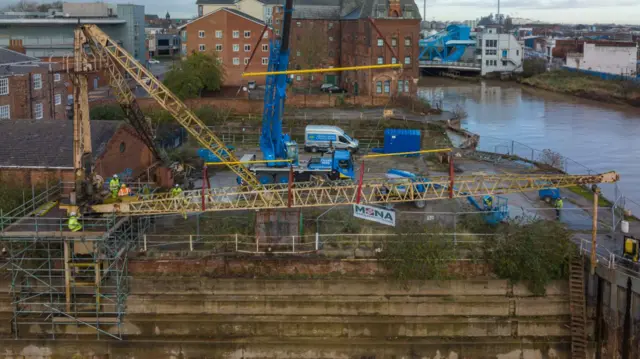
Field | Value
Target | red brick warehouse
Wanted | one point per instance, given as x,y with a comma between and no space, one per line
231,35
355,33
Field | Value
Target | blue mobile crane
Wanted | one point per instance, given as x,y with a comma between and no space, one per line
280,152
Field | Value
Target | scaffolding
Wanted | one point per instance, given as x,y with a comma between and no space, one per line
65,284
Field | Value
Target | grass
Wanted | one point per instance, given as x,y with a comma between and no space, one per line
583,85
588,194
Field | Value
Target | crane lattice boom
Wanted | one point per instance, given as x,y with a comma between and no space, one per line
374,191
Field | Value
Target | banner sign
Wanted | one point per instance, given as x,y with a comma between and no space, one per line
375,214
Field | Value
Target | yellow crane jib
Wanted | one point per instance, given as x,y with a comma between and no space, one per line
170,102
373,191
333,69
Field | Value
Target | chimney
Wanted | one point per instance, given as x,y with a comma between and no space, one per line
394,8
16,45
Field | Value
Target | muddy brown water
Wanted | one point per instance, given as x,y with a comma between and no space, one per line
594,135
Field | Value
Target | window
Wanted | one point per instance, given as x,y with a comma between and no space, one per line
266,35
379,87
123,147
407,60
517,52
269,11
330,38
491,62
58,99
236,61
387,86
277,9
265,61
37,81
504,63
298,53
56,77
277,22
394,42
330,53
298,24
4,86
247,34
184,35
490,52
394,60
246,61
265,48
236,47
37,111
407,41
406,86
491,43
201,34
277,32
218,47
380,60
408,13
218,34
236,34
247,48
201,47
5,112
330,25
400,86
298,78
380,42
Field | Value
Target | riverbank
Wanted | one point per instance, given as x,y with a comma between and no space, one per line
587,86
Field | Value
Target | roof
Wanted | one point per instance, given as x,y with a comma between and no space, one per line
232,11
216,2
12,57
316,12
362,9
31,143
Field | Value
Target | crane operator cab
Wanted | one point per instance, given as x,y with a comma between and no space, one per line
338,166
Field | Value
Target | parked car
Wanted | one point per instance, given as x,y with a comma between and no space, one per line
333,89
154,61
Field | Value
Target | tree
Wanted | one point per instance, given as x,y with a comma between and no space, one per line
199,72
312,44
26,5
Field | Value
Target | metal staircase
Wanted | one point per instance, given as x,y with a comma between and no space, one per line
577,302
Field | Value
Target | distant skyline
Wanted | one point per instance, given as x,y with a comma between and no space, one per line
559,11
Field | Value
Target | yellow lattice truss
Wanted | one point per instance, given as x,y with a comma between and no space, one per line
375,191
165,98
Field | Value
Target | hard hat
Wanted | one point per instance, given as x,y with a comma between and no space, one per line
73,214
123,185
115,176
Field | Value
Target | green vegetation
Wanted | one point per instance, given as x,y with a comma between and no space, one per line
13,195
588,194
532,67
111,112
198,72
587,86
536,253
414,257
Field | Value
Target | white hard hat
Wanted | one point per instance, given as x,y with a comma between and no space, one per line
73,213
115,176
177,185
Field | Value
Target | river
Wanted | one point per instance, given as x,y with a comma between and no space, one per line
593,135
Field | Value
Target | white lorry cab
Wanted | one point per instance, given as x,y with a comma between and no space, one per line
321,138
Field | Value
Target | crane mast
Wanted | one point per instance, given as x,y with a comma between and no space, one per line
273,143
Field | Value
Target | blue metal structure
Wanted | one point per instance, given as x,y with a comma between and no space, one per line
497,209
446,46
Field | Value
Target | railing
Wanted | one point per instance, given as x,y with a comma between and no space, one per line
51,192
449,64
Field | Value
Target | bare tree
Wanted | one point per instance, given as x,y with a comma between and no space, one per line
26,5
312,46
552,158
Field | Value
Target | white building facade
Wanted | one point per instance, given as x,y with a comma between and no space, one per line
498,52
610,58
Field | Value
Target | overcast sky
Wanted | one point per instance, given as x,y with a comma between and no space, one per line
565,11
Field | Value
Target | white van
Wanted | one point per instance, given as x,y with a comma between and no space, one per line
320,138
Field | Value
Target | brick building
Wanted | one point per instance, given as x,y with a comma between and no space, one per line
232,36
356,33
32,152
30,89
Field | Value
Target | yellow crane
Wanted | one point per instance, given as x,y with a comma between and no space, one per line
256,196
